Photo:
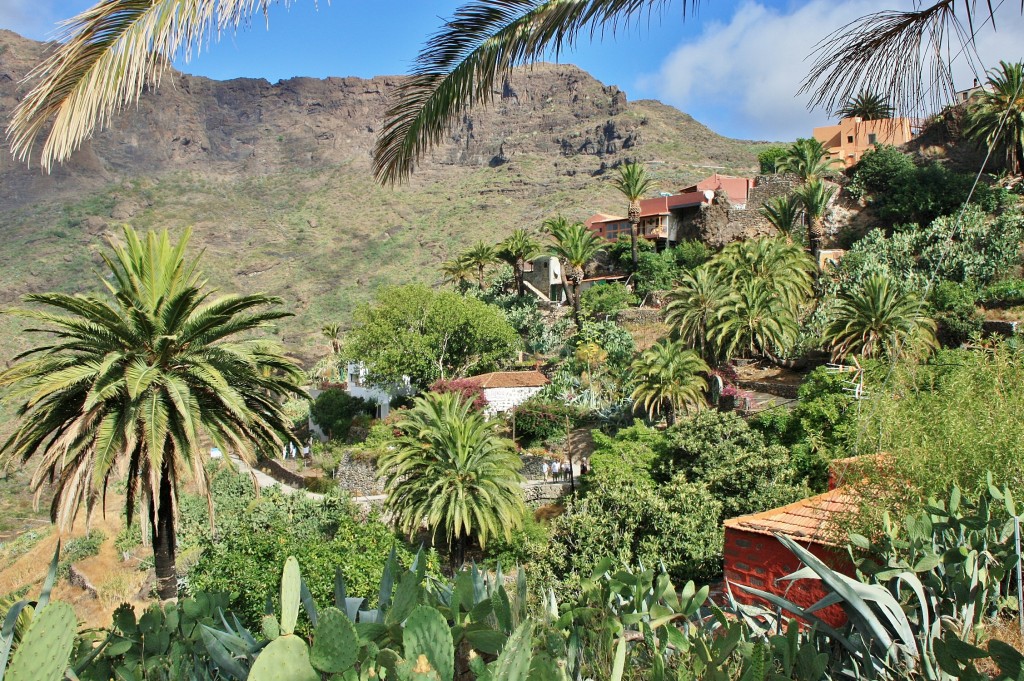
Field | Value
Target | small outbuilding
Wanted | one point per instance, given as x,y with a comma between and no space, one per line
754,556
505,390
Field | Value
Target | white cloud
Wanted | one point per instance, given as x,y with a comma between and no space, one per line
743,75
30,18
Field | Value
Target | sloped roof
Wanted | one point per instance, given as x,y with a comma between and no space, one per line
807,520
510,379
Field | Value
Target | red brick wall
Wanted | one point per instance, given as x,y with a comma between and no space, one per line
758,560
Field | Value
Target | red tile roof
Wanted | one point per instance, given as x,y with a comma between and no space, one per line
510,379
808,520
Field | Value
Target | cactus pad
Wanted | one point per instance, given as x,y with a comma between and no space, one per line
46,648
291,587
427,634
286,658
336,644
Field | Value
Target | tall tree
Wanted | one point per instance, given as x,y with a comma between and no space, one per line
693,305
633,182
783,268
518,249
332,332
575,247
877,318
131,383
667,380
480,257
451,469
754,320
808,159
784,213
868,106
108,53
815,196
457,271
995,115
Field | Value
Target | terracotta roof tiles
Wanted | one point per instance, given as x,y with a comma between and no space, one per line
806,520
510,379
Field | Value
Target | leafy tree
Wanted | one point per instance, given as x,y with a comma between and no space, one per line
877,318
784,213
633,182
606,299
693,307
575,247
518,249
428,335
815,197
480,257
609,336
452,470
769,159
668,380
808,159
132,383
995,115
691,254
334,409
620,251
655,272
868,106
877,168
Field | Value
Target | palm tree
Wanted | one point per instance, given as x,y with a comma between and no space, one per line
108,53
633,182
815,196
555,226
332,332
877,318
479,257
784,214
667,379
452,470
132,383
457,271
781,267
519,248
756,319
575,247
808,159
693,305
868,106
995,115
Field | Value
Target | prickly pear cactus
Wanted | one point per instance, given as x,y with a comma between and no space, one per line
291,589
45,650
271,629
286,658
428,643
336,644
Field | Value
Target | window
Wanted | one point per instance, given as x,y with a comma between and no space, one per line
872,138
849,139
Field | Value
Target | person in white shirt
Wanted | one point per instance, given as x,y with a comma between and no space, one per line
555,471
544,468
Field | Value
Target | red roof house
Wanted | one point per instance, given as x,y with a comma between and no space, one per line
505,390
754,556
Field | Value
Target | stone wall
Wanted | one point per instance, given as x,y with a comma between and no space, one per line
721,223
640,315
787,390
1002,327
358,477
280,472
547,492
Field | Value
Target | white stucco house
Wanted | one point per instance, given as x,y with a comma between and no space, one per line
356,385
505,390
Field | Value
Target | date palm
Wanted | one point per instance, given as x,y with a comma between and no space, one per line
480,257
667,380
868,106
784,213
754,320
576,247
107,55
877,318
815,196
808,159
332,332
633,182
780,267
130,384
518,249
693,305
457,271
453,471
995,116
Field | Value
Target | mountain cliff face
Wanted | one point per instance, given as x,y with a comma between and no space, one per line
275,181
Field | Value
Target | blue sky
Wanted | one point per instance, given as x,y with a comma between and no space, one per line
735,66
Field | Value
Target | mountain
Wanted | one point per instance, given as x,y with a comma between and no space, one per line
275,181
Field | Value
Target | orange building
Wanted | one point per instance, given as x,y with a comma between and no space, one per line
853,136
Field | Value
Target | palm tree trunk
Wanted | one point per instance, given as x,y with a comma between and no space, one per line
576,307
670,415
481,278
634,230
520,277
164,539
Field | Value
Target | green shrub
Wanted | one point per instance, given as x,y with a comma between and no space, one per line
526,545
690,255
877,168
1006,293
655,272
79,548
320,484
621,250
334,409
768,160
608,336
957,317
538,420
604,300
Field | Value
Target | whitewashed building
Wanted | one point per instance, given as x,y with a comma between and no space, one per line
356,385
507,389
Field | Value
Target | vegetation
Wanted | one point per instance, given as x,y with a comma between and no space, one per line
604,300
668,380
768,160
451,469
995,115
807,160
633,182
518,249
867,105
575,246
138,378
333,410
878,319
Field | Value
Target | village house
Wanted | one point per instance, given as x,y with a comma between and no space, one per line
848,140
505,390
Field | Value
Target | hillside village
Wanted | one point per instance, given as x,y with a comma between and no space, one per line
657,420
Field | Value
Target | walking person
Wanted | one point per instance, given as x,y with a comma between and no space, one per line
555,470
544,467
584,467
